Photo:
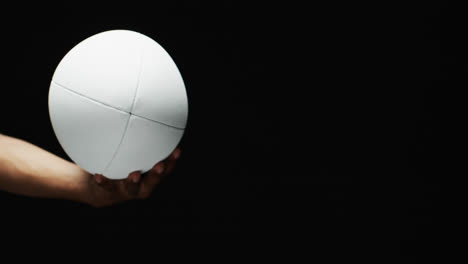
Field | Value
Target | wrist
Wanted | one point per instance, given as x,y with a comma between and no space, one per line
78,186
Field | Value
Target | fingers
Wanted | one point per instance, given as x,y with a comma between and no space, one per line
103,182
132,183
136,185
156,174
176,153
151,179
171,161
134,177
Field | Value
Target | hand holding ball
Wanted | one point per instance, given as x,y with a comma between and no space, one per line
117,103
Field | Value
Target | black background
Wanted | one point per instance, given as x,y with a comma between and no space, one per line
316,118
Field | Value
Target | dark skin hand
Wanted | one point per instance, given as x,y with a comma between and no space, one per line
107,192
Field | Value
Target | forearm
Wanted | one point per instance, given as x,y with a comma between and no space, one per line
29,170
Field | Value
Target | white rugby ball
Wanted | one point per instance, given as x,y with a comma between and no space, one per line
117,103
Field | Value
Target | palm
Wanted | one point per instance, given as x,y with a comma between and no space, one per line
104,191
